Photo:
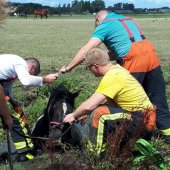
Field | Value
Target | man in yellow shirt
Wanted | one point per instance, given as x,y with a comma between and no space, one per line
126,99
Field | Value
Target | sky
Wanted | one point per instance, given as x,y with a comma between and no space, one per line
137,3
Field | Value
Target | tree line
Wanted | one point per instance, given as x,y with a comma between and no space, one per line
76,7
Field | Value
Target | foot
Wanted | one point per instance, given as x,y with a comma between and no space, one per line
167,139
22,157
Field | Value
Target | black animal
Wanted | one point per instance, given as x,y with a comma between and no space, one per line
50,124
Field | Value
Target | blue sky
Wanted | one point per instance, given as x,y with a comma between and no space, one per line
137,3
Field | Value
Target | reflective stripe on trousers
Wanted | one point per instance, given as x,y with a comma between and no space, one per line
22,144
96,123
100,132
165,132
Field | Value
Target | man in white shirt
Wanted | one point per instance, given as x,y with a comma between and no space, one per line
13,67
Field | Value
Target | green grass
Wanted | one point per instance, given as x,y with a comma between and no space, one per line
56,16
55,42
91,16
154,15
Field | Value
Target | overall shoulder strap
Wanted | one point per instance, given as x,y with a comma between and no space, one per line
127,28
139,29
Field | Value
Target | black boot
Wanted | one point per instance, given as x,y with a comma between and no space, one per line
26,156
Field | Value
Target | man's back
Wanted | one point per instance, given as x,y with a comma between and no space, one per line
114,34
9,64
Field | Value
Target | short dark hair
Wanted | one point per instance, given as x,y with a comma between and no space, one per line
36,63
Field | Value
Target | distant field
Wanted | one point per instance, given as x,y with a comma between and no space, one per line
90,16
56,40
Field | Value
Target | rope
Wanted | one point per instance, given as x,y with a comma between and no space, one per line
62,134
9,147
28,136
5,127
43,138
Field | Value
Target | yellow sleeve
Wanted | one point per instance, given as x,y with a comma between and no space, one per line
109,86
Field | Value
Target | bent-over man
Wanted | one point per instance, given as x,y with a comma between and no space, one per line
13,67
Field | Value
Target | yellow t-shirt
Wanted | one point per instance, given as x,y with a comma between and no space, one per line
122,89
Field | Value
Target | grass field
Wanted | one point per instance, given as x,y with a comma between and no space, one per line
55,41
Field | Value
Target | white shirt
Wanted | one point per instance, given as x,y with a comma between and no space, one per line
15,67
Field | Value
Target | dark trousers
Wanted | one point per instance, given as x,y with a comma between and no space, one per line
154,85
143,63
21,143
106,120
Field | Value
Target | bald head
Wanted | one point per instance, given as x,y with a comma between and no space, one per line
2,10
100,16
97,56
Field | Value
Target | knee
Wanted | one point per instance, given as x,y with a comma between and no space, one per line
97,113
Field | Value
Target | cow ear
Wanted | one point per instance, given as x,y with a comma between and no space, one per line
75,94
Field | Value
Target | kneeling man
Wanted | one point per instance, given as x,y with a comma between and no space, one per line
126,101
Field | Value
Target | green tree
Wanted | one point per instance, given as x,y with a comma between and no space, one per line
68,8
127,6
131,7
97,5
74,3
28,8
118,6
64,9
87,6
76,7
59,10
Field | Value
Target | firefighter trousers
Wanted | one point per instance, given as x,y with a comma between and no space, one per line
106,120
21,143
143,63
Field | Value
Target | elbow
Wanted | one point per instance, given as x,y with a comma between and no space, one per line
89,108
25,83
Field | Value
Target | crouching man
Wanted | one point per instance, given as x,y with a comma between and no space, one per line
12,68
126,101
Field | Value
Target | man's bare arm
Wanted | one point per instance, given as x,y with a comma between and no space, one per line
79,57
94,101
